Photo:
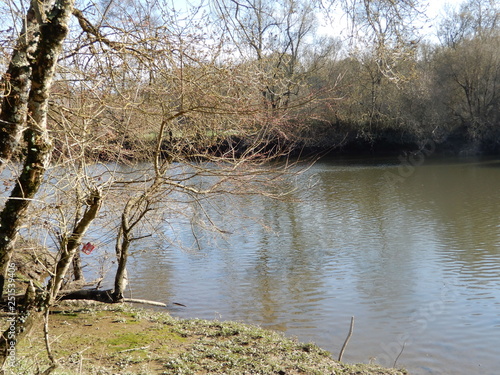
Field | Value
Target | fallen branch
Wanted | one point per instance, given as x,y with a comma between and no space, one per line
105,296
145,302
87,294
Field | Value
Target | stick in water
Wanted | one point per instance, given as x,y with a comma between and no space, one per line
399,355
347,339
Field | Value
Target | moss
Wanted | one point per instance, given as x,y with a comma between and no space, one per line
126,340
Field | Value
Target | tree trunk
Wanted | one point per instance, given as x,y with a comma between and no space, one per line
122,246
17,80
77,268
50,34
71,246
14,212
20,325
31,71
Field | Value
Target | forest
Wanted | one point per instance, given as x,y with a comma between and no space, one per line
210,99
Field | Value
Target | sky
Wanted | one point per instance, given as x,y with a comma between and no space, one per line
435,8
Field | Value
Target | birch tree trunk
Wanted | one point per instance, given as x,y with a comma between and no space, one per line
32,71
14,106
122,245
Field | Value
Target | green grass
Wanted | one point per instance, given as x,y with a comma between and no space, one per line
123,340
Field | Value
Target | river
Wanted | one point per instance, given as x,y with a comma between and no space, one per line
412,253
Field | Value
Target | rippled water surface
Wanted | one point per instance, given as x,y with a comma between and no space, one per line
414,255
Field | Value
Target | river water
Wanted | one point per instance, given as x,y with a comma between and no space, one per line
412,253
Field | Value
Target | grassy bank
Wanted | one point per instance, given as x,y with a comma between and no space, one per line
123,340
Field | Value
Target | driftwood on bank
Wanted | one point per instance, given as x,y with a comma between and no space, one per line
105,296
87,294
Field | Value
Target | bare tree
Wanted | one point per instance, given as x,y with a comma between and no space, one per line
30,94
275,36
472,19
30,73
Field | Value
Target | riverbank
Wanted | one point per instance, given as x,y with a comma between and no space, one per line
327,139
119,339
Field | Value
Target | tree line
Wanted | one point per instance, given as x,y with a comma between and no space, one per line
220,72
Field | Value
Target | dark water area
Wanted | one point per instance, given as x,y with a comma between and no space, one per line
413,252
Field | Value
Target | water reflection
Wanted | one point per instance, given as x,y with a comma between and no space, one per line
417,265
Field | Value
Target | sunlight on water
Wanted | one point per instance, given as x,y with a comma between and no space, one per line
417,264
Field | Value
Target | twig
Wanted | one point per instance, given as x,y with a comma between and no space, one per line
80,364
50,370
53,362
46,336
347,339
133,349
399,355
